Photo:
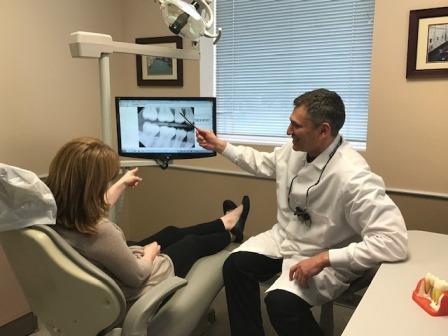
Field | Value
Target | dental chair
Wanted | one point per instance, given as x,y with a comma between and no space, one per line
70,295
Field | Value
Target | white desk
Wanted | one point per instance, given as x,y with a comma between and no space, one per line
387,307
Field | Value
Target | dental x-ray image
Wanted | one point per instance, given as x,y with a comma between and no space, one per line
164,127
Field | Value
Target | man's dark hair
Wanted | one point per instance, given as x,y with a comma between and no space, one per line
323,105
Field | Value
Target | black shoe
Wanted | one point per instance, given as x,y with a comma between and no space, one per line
227,206
238,229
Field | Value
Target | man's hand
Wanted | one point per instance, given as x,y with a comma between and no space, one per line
209,140
151,251
306,269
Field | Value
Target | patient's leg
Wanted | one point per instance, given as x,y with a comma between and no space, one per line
185,252
172,234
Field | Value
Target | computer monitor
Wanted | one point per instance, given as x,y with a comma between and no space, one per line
154,128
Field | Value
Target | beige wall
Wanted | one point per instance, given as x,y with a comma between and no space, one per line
49,98
44,88
405,138
407,118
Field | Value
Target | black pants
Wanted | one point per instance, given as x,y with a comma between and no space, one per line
289,314
186,245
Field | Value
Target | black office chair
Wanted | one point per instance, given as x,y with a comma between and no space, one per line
349,299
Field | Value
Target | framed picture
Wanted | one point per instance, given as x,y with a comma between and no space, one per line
160,71
428,43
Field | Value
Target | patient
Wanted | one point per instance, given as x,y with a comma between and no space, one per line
79,178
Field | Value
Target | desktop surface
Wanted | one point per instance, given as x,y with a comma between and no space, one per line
387,307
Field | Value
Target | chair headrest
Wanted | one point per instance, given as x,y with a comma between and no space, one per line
24,199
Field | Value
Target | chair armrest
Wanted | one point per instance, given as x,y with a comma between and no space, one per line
182,313
136,321
363,281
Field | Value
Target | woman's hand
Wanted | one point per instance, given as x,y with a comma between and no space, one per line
129,179
151,251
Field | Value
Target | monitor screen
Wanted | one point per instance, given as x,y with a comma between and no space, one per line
161,128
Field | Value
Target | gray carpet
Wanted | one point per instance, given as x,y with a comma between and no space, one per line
221,326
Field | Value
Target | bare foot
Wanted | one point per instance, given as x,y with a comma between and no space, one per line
231,217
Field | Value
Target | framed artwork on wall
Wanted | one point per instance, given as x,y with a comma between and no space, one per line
160,71
428,43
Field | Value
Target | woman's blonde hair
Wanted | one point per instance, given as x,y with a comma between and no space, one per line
79,177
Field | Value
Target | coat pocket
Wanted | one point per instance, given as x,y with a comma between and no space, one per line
316,232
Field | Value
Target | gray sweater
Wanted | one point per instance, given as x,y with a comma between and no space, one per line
108,251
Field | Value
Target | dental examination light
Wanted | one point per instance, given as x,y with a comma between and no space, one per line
191,20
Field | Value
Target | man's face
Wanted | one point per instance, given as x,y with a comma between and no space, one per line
305,136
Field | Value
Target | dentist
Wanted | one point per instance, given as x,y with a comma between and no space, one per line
334,221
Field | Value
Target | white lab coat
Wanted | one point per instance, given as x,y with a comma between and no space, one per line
351,214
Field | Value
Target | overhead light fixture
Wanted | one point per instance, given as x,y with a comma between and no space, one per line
191,20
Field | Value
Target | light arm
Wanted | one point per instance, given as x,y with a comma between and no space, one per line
93,45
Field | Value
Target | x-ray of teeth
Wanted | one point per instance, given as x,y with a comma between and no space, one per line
151,113
190,139
151,129
187,111
145,140
164,127
163,114
180,137
166,115
149,133
189,114
177,117
166,136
